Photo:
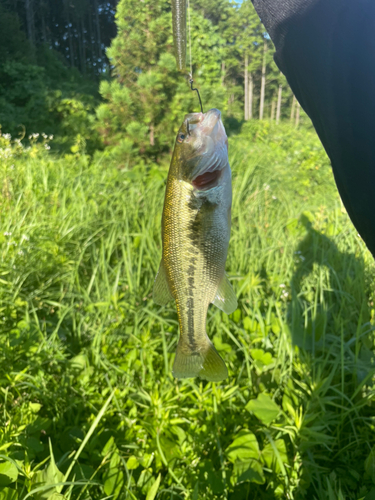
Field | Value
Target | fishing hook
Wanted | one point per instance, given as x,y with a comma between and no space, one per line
191,81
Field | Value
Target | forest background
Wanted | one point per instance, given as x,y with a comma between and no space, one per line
57,77
90,103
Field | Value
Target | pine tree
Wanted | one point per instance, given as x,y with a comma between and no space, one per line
147,98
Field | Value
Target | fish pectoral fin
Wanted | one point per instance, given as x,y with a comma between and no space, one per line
161,292
225,298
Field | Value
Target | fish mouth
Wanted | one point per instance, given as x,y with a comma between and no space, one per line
206,124
210,120
192,120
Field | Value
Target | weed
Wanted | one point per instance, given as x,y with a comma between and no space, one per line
89,408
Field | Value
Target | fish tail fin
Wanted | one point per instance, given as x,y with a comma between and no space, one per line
205,362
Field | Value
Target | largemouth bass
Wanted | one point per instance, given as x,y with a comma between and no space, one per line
179,32
195,232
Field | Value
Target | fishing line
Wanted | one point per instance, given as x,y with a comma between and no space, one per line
191,81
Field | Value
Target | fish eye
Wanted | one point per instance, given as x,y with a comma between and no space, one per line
181,138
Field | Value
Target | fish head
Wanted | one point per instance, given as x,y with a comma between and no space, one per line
201,150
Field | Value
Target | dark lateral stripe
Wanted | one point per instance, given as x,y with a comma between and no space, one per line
190,323
190,304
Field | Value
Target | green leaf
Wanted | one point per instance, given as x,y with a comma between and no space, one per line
79,362
8,473
114,477
196,491
144,480
370,464
269,455
210,477
108,446
154,489
132,463
52,475
34,444
275,325
236,316
370,495
263,408
8,494
146,460
170,447
249,470
244,446
35,407
48,478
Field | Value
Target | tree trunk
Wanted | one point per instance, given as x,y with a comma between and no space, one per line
152,137
79,38
91,42
43,7
71,49
278,110
250,101
97,24
273,108
263,83
246,88
293,108
30,21
297,113
83,65
222,73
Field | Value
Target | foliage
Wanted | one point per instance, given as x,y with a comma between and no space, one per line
78,30
145,101
38,92
89,408
49,77
13,40
36,98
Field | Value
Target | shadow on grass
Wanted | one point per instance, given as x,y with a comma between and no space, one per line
329,318
337,306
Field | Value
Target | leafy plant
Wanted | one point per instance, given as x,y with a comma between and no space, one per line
89,408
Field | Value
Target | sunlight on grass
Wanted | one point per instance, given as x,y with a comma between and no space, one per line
80,247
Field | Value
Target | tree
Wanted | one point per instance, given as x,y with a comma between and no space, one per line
244,37
147,98
263,81
77,29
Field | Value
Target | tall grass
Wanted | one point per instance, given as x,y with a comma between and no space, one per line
89,408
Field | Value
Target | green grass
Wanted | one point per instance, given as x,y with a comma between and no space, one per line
89,408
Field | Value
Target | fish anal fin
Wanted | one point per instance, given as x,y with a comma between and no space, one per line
225,298
205,363
161,292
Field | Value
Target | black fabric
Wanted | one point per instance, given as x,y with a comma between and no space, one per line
326,50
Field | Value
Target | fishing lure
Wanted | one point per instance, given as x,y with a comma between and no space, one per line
179,32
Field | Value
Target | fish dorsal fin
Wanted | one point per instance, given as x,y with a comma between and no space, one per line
225,298
161,292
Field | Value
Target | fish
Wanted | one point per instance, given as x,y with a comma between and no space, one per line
179,32
196,223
